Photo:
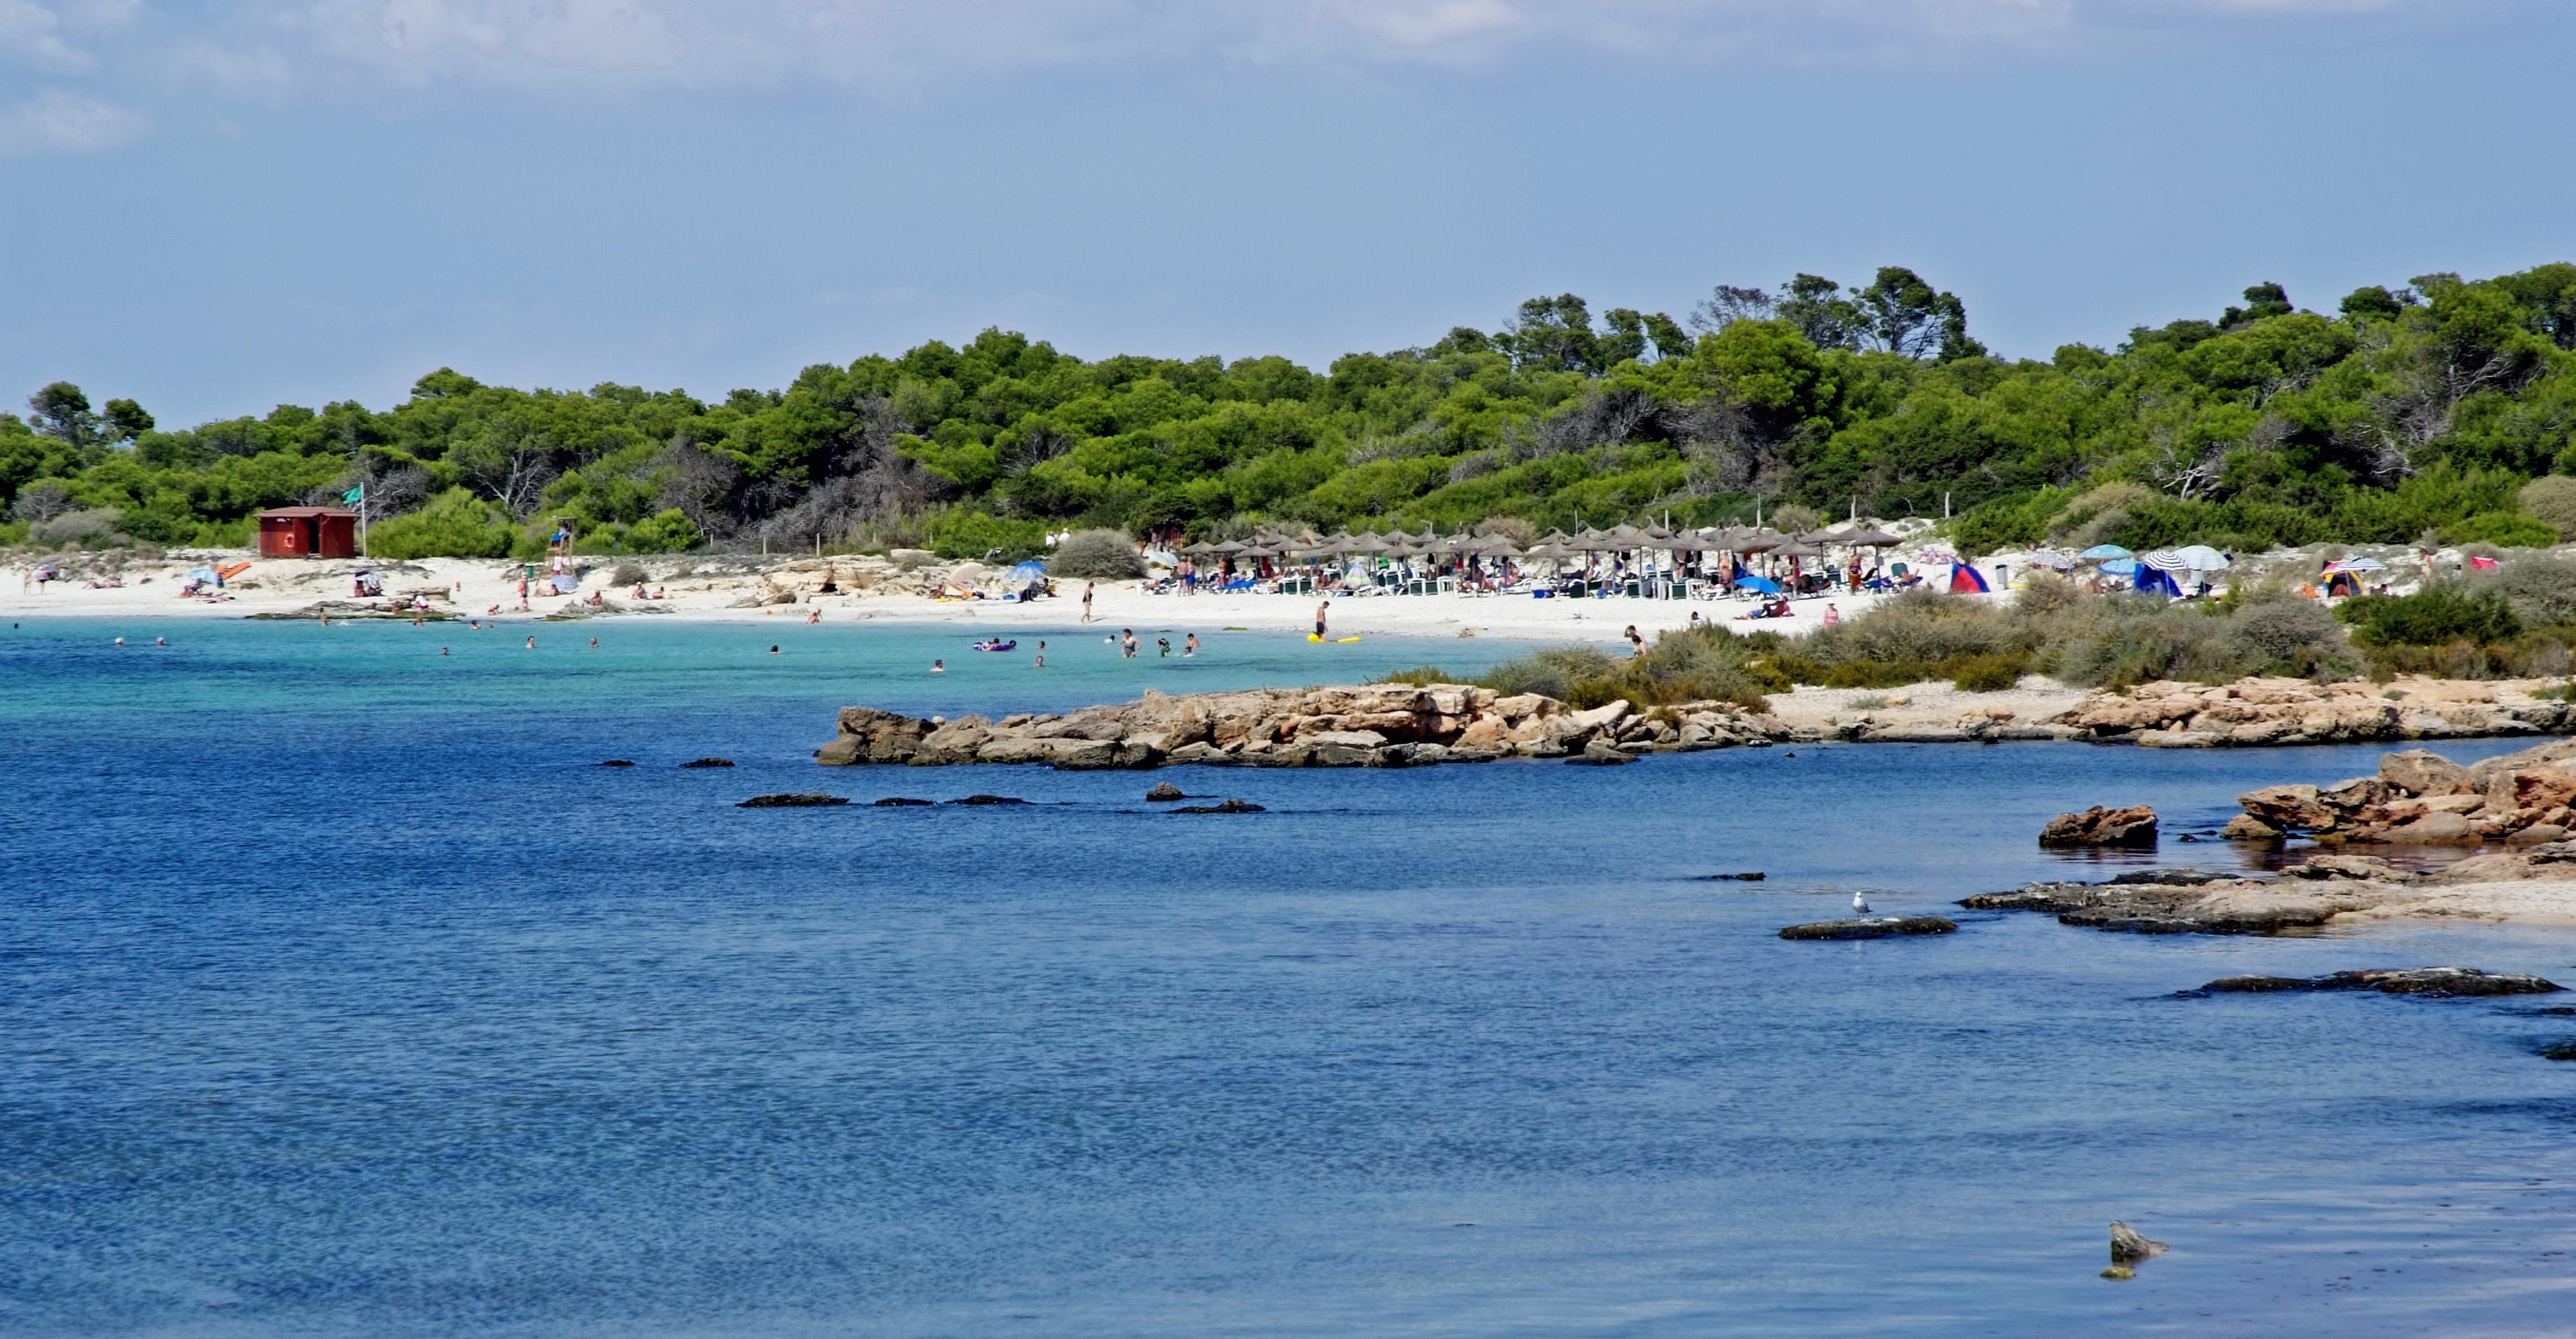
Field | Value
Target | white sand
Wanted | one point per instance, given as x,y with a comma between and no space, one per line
473,588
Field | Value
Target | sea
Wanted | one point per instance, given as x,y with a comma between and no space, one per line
343,992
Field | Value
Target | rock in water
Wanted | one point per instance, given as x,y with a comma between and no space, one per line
1165,791
989,799
2100,826
619,762
1871,927
1227,807
1599,754
2564,1050
2248,828
807,800
1748,876
2431,982
2128,1246
709,762
900,802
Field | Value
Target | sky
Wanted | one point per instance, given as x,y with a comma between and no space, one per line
218,206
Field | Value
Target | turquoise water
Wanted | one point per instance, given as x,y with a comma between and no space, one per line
340,994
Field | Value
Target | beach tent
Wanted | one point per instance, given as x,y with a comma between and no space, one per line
1031,570
2342,583
1966,580
2157,581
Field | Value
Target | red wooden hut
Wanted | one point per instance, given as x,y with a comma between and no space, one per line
308,532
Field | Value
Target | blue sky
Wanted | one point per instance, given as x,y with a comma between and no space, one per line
219,206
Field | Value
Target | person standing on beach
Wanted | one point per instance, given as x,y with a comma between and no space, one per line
1636,642
1321,611
1086,602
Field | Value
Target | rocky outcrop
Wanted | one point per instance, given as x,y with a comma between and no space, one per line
2268,712
812,799
2099,826
1222,807
2194,901
2433,982
2305,895
2422,799
1375,725
1871,927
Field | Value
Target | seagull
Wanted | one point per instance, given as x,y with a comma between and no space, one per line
1860,905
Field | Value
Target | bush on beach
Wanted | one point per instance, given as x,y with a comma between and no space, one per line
1106,555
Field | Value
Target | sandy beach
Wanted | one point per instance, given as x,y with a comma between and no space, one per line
775,590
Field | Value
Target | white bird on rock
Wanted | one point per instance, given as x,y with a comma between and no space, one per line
1860,905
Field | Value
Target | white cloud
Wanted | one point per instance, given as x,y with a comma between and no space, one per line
55,121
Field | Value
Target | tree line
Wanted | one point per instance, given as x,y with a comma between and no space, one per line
2409,411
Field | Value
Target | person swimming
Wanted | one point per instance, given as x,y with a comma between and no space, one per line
939,667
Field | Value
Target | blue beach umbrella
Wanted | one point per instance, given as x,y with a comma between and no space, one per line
1761,585
2105,551
1032,570
2121,567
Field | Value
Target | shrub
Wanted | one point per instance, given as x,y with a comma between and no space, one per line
455,524
2434,617
2551,500
664,532
627,576
1987,674
1420,676
1103,554
2288,637
2541,591
1917,625
92,528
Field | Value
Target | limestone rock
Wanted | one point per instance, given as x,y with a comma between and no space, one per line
2100,826
2431,982
2289,808
1165,791
2246,827
1871,927
2420,772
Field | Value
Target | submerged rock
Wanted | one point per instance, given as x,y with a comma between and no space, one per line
2101,826
708,762
1871,927
2432,982
1748,876
619,762
2129,1246
805,800
902,802
2564,1050
990,799
1223,807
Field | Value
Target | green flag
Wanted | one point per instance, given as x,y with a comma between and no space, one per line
355,495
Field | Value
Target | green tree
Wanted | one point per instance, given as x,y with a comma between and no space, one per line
63,412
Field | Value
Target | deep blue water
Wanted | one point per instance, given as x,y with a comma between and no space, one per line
340,994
